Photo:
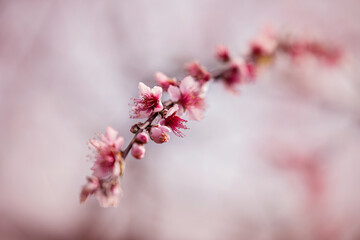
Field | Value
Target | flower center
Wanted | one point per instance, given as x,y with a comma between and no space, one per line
191,100
148,101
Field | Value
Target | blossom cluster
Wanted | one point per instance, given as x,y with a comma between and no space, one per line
186,99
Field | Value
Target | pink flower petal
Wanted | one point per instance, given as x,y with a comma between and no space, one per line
155,132
203,90
164,81
116,169
118,143
181,111
188,84
96,143
159,107
111,134
89,188
174,93
161,78
165,129
100,172
143,89
194,114
172,110
157,91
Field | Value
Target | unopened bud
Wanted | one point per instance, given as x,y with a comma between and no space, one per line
138,151
159,134
222,53
142,137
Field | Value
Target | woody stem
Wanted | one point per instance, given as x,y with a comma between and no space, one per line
142,127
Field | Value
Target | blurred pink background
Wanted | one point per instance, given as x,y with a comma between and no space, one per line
280,161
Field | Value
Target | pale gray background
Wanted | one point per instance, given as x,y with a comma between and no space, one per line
69,68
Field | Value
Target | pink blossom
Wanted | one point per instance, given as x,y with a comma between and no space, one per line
328,54
198,72
174,122
89,188
138,150
189,96
109,193
264,44
107,154
222,53
300,48
149,101
142,138
164,81
159,134
236,74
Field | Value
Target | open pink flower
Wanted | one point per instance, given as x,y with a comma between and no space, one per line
174,122
164,81
189,97
107,154
159,134
149,101
236,74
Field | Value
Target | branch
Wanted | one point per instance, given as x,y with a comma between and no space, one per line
186,97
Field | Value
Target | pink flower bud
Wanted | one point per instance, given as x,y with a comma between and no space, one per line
142,138
159,134
138,151
222,53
